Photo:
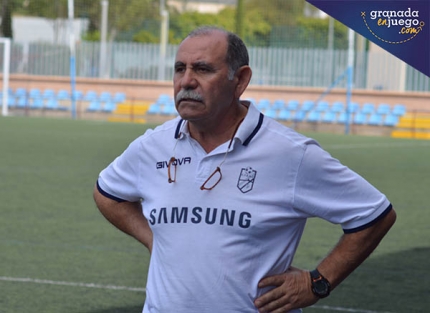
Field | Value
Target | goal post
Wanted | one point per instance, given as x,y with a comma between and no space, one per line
6,63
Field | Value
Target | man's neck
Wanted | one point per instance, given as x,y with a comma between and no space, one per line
212,136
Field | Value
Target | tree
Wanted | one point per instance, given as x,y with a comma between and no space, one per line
277,12
240,13
6,19
123,15
182,24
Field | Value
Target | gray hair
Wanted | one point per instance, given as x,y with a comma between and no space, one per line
237,53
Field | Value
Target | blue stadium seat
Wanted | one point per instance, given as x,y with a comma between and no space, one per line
307,105
169,108
299,116
337,107
329,117
21,102
360,118
375,119
342,118
35,93
52,104
391,120
314,116
11,101
154,108
353,107
383,109
119,97
105,96
78,95
285,115
20,92
293,105
367,108
48,94
271,113
37,103
63,95
278,104
109,107
399,110
90,96
263,104
94,106
322,106
163,99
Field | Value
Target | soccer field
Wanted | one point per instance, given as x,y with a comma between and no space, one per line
59,255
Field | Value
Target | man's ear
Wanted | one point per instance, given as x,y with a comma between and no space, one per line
243,76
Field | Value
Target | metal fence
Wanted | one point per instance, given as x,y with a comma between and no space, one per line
271,66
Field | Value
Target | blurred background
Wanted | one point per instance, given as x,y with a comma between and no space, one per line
113,60
291,43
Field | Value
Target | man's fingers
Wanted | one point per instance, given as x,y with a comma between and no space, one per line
276,280
273,301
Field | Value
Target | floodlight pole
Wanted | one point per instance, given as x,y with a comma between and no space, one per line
163,40
6,62
103,39
72,57
350,75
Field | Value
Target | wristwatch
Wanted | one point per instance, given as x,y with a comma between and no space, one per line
320,285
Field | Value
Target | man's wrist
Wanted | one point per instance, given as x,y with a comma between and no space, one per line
320,286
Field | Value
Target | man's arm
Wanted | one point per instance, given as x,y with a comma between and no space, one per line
293,288
126,216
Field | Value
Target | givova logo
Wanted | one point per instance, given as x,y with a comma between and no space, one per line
394,26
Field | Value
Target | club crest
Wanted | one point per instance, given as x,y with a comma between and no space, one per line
246,179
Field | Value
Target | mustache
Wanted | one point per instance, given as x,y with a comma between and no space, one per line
188,94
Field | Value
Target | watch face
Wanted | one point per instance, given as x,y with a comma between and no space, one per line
321,287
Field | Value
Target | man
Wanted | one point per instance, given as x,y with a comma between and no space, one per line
225,193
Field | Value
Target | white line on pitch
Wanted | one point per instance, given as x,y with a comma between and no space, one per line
340,309
72,284
376,145
114,287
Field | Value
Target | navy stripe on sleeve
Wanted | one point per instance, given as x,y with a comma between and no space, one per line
357,229
108,195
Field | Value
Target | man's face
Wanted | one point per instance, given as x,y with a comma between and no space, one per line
201,86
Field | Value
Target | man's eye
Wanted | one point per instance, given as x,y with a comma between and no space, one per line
203,69
179,69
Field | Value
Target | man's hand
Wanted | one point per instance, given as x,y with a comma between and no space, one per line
292,291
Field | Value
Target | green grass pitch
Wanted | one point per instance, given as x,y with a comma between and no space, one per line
59,255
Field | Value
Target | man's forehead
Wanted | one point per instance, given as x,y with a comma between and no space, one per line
203,47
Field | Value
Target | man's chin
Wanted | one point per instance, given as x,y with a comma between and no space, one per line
190,112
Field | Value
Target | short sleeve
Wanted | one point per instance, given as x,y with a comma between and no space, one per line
120,180
327,189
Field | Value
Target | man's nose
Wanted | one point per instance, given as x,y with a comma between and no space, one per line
188,80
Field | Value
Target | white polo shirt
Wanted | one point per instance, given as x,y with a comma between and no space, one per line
212,247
